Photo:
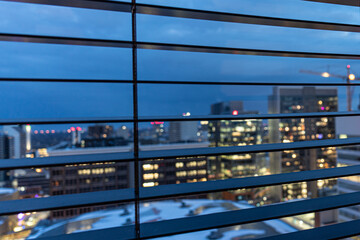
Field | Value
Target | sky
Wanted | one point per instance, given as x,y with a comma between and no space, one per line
62,100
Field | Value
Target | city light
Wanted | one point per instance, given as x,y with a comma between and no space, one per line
235,112
351,77
18,228
157,123
325,74
21,216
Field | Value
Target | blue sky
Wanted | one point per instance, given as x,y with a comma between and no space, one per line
36,100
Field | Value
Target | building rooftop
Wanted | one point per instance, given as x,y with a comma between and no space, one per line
165,210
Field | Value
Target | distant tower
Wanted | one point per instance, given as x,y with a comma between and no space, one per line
185,131
75,135
78,130
18,144
234,133
28,137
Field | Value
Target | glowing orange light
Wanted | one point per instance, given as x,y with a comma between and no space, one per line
325,74
351,77
235,112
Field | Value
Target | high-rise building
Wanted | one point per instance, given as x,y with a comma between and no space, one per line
12,145
31,183
28,137
100,131
76,135
347,127
183,131
5,144
301,100
17,145
123,132
235,133
153,135
226,108
5,152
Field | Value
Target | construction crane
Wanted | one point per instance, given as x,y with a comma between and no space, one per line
348,78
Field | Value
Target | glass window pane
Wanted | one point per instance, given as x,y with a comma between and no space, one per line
65,100
237,35
33,60
37,19
294,9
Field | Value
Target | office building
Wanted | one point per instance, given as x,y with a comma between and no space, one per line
174,171
302,100
235,133
18,141
183,131
81,178
348,156
100,131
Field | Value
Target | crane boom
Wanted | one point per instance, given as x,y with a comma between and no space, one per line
348,78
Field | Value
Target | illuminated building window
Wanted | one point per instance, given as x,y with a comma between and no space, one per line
179,165
150,176
97,171
149,167
181,174
150,184
201,172
109,170
192,173
191,164
201,163
84,172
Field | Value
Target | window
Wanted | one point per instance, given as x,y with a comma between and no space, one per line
188,117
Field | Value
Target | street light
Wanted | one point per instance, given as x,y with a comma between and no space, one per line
325,74
351,77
